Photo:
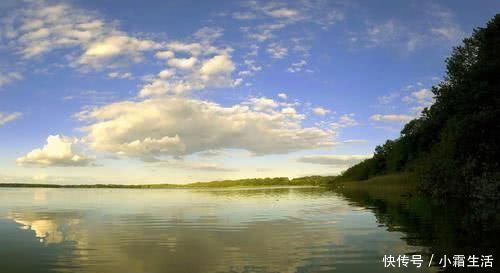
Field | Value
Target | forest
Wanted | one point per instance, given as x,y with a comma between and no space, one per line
452,148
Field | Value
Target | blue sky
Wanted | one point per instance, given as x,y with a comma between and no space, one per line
181,91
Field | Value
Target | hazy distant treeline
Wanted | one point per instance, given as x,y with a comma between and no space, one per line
252,182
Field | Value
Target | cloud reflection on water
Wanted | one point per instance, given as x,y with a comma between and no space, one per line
260,230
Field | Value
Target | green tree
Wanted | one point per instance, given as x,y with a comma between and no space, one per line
454,145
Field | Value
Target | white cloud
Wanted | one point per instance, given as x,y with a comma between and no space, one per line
8,117
346,120
282,96
445,28
262,104
320,111
264,32
344,160
181,126
297,66
38,28
378,34
212,71
355,141
420,99
283,13
269,18
9,77
164,55
120,75
160,87
167,73
208,34
220,64
451,33
292,112
251,69
107,48
391,118
93,97
59,151
277,51
243,15
322,13
424,95
388,98
182,63
237,82
435,27
191,48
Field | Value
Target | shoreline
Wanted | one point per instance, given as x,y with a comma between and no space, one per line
254,182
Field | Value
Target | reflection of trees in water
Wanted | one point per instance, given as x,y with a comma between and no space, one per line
446,229
301,192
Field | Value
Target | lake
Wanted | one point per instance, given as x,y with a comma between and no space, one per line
220,230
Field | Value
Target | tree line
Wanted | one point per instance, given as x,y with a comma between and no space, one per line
453,147
315,180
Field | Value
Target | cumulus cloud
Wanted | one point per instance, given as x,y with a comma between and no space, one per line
421,98
220,64
179,126
391,118
320,111
346,120
282,96
292,112
344,160
164,55
215,71
262,104
40,27
8,117
59,151
190,48
182,63
202,66
167,73
110,47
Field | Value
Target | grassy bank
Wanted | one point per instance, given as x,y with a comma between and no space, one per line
391,188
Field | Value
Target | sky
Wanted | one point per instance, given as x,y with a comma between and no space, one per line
135,92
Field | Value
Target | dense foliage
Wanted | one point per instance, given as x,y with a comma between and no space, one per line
453,147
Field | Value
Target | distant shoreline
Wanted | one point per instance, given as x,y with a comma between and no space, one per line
255,182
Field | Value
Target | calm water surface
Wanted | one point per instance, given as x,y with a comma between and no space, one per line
177,230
